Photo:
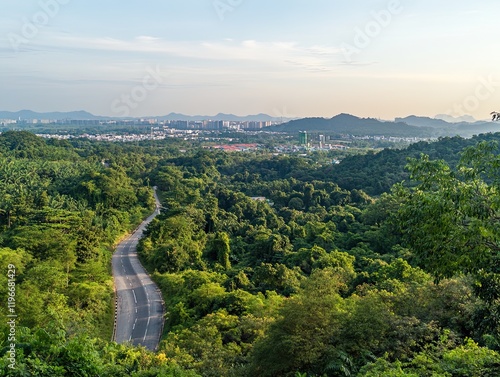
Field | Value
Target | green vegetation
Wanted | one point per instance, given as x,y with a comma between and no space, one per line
268,265
61,211
376,173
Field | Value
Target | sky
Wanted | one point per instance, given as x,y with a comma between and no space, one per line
285,58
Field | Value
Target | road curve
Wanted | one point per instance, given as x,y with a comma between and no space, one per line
139,305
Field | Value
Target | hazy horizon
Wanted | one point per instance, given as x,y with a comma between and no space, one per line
379,59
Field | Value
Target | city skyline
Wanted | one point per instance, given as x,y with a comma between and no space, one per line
381,59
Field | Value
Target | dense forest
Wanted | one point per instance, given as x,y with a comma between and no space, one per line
62,208
376,172
268,265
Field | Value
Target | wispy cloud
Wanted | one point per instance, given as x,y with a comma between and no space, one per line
268,53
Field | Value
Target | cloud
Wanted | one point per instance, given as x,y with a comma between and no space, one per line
268,53
104,61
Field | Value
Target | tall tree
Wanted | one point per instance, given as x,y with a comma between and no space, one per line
451,221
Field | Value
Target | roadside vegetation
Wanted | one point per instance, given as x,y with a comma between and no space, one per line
268,265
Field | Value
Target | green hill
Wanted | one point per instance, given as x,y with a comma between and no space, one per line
349,124
375,173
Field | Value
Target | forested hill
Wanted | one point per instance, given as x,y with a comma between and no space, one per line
375,173
268,271
411,126
349,124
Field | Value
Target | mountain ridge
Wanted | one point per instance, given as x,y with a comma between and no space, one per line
352,125
343,123
85,115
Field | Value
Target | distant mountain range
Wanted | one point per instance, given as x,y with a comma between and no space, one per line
84,115
411,126
29,115
349,124
221,116
441,127
451,119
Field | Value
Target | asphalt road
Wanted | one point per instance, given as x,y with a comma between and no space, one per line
139,305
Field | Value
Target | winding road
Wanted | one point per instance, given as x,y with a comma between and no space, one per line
139,305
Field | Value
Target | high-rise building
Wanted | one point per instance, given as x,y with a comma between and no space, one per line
303,138
322,140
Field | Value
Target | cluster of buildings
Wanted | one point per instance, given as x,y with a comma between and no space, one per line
7,122
236,147
394,139
153,134
173,124
319,142
159,133
217,125
72,122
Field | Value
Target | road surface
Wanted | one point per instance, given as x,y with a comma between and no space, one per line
139,305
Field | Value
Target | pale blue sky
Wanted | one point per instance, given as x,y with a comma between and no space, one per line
282,57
